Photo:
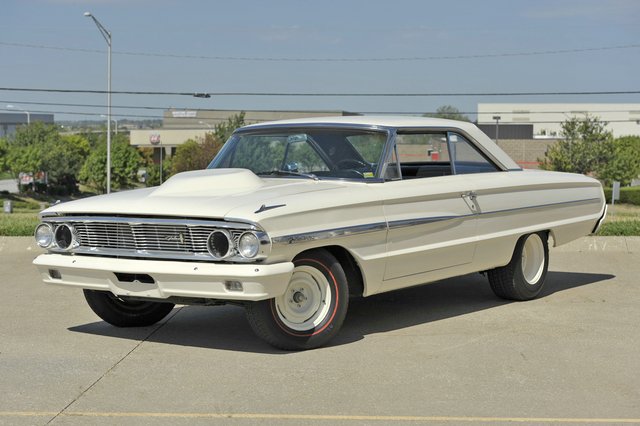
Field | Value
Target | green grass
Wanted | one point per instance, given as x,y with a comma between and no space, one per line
19,224
623,228
622,220
23,220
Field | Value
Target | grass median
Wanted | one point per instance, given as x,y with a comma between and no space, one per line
622,220
24,219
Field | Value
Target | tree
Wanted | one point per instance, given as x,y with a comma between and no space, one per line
4,150
125,162
624,164
188,156
39,147
63,160
586,148
27,147
449,112
197,154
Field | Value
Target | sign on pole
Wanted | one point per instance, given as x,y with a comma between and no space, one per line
615,193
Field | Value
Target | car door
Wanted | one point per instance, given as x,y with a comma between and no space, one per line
430,211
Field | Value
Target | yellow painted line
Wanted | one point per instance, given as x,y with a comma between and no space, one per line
265,416
27,413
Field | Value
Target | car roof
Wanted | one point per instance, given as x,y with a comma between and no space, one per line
400,122
366,120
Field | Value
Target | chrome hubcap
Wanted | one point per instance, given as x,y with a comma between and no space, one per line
305,304
533,259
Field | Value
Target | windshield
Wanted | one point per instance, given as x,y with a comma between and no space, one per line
315,153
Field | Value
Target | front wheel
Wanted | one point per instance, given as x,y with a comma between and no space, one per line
126,313
312,309
523,277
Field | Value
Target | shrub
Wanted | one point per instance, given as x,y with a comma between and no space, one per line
628,195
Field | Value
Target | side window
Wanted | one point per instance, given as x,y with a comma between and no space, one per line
423,155
466,158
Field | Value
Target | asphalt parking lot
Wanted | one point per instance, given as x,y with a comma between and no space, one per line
445,353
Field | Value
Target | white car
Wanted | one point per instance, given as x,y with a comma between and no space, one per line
293,218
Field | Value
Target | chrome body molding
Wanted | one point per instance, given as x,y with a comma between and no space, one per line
540,206
423,220
330,233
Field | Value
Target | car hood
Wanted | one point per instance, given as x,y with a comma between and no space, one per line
204,193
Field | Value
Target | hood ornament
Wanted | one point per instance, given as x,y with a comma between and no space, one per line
264,207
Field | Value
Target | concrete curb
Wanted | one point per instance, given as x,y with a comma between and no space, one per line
581,245
602,244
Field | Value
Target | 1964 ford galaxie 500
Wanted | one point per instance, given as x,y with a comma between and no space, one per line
292,218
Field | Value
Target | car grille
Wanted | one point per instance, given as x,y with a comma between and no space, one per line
146,237
150,237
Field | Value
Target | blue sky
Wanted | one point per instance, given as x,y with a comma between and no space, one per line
346,29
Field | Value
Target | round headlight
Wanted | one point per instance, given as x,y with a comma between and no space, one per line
64,236
220,244
44,235
248,245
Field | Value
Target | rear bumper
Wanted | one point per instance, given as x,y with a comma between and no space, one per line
183,279
599,222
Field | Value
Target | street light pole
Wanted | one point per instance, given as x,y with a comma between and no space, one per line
23,110
497,118
107,37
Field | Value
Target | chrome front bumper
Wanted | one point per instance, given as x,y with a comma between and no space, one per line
170,278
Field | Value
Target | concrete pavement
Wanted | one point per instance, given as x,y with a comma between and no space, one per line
449,352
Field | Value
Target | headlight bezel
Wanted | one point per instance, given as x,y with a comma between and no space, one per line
224,237
255,250
51,235
64,231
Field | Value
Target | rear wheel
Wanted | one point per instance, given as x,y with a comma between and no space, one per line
126,313
523,277
312,309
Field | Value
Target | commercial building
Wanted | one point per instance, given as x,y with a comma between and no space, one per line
9,121
526,130
546,118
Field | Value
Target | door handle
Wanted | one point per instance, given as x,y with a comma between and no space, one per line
472,195
470,198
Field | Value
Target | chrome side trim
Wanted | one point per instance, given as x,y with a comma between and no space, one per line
330,233
538,206
423,220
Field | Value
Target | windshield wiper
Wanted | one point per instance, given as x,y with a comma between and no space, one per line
287,173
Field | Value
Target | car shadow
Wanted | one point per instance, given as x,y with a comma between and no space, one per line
226,328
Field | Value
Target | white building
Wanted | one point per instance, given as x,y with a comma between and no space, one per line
622,119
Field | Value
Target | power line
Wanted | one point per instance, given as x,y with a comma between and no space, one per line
291,59
310,94
198,109
278,118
